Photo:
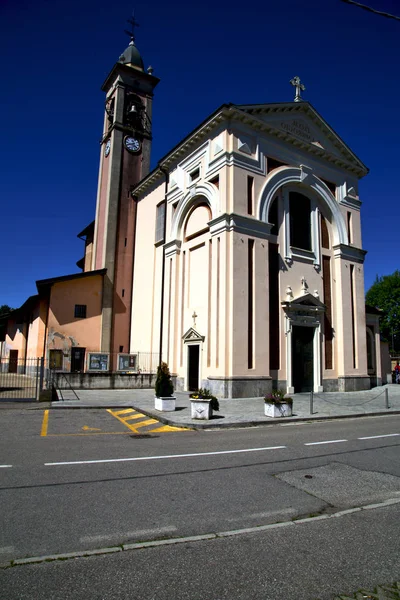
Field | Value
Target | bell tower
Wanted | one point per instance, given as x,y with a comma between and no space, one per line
124,161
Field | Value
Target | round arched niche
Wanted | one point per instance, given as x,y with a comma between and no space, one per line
197,220
205,194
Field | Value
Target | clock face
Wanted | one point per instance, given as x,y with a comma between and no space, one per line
132,144
107,148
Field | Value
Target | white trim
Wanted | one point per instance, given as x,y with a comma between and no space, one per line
198,193
313,187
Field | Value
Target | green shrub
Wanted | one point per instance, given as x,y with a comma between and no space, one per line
164,387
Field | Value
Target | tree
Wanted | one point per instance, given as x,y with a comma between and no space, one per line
4,309
385,295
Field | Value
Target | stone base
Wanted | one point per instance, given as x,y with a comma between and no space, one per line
353,384
238,387
103,381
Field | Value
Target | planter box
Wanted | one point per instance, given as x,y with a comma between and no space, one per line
164,404
201,409
283,409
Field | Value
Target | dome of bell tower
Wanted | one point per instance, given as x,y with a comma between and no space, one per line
131,56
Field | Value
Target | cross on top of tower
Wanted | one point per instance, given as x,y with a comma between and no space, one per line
133,24
299,88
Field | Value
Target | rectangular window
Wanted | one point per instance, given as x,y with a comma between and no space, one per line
160,222
349,232
300,221
80,311
274,307
250,193
328,330
195,174
250,325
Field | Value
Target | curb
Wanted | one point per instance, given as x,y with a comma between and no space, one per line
195,538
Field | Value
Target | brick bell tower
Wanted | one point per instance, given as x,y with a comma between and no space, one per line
124,161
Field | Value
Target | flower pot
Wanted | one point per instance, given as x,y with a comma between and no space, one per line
280,409
201,408
165,404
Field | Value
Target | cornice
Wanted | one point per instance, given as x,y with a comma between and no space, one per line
249,116
240,224
349,253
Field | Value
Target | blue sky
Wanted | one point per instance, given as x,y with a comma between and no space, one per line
55,56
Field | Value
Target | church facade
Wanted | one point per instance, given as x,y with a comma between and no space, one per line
255,273
238,260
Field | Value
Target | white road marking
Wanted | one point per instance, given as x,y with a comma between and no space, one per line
7,549
5,466
374,437
127,534
111,460
326,442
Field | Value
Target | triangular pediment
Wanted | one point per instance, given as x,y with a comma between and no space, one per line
304,302
301,125
192,336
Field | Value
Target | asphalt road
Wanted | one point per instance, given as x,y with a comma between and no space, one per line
85,481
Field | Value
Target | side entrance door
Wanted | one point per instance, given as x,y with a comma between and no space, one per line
77,359
303,358
193,366
13,362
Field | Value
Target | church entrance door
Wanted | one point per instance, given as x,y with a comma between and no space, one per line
193,366
303,358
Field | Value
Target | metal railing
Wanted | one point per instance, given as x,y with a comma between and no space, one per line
20,378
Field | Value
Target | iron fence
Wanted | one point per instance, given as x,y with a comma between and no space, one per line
20,378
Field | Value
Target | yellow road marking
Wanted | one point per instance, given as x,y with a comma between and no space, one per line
131,417
146,422
86,434
86,428
45,423
169,428
138,425
123,412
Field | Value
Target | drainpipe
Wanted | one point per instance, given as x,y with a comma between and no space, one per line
166,173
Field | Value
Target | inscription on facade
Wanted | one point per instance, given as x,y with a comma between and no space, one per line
299,129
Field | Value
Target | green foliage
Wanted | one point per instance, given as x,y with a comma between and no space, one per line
205,394
5,309
385,295
277,397
164,387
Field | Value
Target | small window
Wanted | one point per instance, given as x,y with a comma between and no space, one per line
80,311
250,194
195,174
160,221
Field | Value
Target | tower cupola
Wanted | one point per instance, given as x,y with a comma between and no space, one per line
131,56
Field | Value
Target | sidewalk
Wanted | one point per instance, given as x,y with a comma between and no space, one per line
240,412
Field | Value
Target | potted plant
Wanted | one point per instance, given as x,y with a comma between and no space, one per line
203,403
276,405
164,389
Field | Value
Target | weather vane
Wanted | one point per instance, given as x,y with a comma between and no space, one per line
134,24
299,88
